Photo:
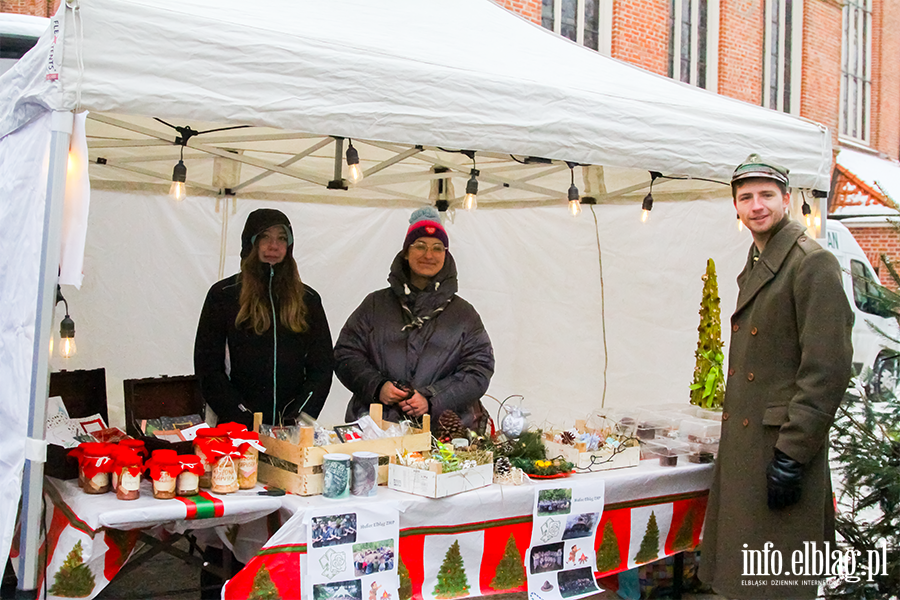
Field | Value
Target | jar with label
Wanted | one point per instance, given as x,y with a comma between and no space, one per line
189,478
114,476
128,474
96,465
76,454
204,437
164,468
247,443
136,446
224,457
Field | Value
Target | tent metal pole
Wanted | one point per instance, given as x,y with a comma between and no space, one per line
33,480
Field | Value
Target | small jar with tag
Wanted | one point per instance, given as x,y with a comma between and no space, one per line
164,468
205,437
189,478
95,466
248,444
224,457
128,474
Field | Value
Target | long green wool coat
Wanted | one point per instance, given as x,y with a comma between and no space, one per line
789,365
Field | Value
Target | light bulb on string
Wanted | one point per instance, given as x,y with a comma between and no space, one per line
573,194
807,211
179,176
470,202
647,204
66,329
353,167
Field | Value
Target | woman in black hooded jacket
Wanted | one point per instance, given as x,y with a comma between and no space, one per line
262,312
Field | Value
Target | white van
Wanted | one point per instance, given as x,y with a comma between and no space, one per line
865,292
18,34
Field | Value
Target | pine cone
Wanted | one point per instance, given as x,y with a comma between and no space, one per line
449,426
567,437
502,466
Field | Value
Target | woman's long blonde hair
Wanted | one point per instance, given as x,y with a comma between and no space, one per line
287,289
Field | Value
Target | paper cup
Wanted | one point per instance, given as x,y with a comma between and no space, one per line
365,474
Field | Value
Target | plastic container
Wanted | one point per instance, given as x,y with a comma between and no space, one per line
700,431
703,453
667,451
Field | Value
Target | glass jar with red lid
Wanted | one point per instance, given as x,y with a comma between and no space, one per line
189,478
204,437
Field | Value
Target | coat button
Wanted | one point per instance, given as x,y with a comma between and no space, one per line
724,416
730,372
735,327
745,422
754,331
749,376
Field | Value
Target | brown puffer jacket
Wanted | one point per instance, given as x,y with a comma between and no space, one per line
438,346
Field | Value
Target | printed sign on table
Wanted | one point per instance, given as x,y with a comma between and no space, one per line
352,553
560,561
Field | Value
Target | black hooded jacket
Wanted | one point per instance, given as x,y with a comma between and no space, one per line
303,370
438,346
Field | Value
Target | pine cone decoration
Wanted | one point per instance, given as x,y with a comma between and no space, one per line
502,466
567,437
450,427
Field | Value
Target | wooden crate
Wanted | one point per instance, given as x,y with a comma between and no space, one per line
297,468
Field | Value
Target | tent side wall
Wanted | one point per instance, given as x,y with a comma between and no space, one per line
24,155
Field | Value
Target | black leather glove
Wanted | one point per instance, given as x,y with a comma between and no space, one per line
783,476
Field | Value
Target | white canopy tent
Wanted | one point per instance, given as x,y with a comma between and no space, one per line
581,311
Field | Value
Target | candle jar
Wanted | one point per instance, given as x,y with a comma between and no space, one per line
204,438
192,468
248,445
128,474
95,466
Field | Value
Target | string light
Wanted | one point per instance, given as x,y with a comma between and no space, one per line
179,176
647,204
66,329
574,196
356,173
470,202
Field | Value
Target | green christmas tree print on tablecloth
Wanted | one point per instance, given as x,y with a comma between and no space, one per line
263,586
451,579
74,579
510,572
608,555
649,549
684,538
404,592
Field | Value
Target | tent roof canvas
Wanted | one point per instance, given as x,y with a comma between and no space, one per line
461,75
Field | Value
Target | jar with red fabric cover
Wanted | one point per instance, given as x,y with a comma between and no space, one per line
231,428
129,466
248,444
224,456
164,467
76,454
189,478
204,437
95,465
137,446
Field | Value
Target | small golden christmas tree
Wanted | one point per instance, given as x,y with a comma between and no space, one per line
708,388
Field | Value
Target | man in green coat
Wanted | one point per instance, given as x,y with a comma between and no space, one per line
770,507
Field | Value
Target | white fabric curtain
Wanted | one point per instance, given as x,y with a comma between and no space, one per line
532,274
24,156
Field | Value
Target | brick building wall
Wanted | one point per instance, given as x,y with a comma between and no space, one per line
640,34
36,8
886,77
877,240
821,80
530,9
741,29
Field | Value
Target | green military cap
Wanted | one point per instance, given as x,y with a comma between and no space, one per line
754,166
